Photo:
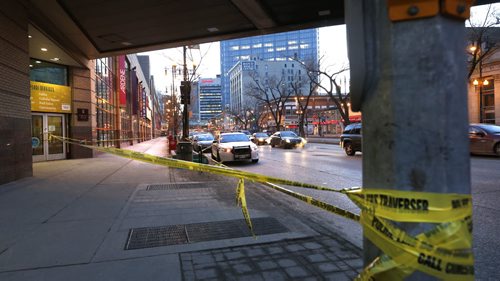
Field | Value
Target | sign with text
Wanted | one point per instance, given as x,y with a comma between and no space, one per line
47,97
122,80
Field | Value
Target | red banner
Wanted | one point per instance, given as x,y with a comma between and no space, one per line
122,80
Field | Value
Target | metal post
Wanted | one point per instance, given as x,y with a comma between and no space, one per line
480,85
185,116
184,147
414,103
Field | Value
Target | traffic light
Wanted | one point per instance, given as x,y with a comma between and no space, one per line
185,92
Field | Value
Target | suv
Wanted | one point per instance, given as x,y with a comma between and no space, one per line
350,140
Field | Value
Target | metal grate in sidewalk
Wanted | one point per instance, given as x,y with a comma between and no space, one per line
150,237
172,186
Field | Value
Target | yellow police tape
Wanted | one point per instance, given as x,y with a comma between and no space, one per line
444,252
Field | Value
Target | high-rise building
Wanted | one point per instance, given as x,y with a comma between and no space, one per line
245,74
301,45
209,98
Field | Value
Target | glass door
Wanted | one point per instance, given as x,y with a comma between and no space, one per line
37,138
43,147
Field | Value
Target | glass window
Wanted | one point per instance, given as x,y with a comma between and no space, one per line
104,102
46,72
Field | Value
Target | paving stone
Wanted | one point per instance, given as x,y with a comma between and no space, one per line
234,255
337,276
327,267
202,259
205,266
312,245
296,272
206,273
310,279
355,263
345,254
332,256
242,268
342,266
331,243
189,275
219,257
255,252
251,277
316,258
294,248
286,262
275,250
352,274
268,264
274,275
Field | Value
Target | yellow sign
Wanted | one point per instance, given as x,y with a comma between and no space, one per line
47,97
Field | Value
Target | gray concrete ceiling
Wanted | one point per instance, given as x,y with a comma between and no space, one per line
89,29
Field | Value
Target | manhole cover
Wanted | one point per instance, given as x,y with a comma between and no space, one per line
149,237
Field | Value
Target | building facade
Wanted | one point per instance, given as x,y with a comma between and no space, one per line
301,45
209,98
484,91
245,76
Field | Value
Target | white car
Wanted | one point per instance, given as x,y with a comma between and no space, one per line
234,147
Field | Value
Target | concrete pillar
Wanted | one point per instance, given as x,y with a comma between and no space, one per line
15,108
414,107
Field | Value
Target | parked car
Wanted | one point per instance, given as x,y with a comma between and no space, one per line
201,142
234,147
484,139
285,139
259,138
350,139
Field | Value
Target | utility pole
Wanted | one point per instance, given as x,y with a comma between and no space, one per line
185,113
184,147
409,81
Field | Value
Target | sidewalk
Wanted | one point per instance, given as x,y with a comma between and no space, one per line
110,218
329,139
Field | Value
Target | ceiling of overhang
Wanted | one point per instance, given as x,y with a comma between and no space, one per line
128,26
96,28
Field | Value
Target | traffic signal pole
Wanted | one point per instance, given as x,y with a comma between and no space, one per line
184,147
408,78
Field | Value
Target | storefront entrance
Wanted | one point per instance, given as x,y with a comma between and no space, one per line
43,124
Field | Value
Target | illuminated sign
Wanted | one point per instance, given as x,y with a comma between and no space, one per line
122,80
47,97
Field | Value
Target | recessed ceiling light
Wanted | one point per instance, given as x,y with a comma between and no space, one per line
212,29
126,43
324,13
29,36
43,49
38,61
55,59
31,65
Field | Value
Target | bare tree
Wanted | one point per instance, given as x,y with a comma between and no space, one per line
484,38
327,80
302,98
272,92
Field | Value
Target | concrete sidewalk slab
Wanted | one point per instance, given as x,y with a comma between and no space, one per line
72,220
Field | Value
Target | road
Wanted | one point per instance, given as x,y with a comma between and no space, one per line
327,165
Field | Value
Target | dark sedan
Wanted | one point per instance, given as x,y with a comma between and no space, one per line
285,139
484,139
259,138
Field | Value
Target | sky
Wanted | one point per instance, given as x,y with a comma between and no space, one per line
332,50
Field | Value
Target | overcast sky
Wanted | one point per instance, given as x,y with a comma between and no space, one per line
332,48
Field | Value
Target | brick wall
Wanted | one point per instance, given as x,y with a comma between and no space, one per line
15,114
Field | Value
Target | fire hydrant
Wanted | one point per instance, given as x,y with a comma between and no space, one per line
172,143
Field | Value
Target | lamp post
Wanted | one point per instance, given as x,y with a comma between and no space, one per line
480,83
